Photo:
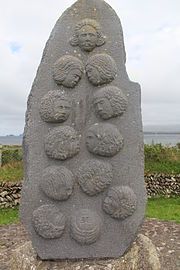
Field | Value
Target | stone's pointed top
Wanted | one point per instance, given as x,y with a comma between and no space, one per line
98,10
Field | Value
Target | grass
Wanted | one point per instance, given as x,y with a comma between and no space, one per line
9,215
162,159
166,167
164,209
161,208
11,172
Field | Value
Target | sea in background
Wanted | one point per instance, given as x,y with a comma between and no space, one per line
169,139
166,135
11,140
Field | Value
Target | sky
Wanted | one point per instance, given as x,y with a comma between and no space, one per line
152,42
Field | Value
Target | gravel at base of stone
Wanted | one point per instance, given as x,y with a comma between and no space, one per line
164,235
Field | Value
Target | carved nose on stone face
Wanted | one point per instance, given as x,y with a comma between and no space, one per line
88,38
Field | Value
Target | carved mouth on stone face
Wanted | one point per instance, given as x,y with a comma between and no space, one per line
88,46
103,114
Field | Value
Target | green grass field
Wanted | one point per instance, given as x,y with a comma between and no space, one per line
9,215
164,209
161,208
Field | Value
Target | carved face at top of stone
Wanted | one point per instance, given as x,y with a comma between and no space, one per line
68,70
101,69
62,142
109,102
55,107
104,140
87,35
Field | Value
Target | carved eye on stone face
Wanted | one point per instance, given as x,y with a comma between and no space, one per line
87,35
94,176
48,221
104,140
62,143
57,182
85,226
110,102
55,107
120,202
101,69
67,71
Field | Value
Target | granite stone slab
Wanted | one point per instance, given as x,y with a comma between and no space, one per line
83,195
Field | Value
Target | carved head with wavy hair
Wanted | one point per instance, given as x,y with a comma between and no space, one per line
87,35
101,69
109,102
68,70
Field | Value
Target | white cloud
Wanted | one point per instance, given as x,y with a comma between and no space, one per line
152,40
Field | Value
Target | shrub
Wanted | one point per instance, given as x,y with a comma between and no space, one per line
11,155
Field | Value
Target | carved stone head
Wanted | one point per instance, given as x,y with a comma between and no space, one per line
55,107
94,176
101,69
57,182
68,70
48,221
87,35
120,202
62,142
104,140
109,102
85,226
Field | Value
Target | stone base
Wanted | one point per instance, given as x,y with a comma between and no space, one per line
141,256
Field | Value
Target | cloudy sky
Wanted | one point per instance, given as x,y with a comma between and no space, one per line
152,41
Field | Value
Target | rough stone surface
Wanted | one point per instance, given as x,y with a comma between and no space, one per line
142,255
84,54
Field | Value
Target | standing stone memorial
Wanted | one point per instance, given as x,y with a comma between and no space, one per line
83,194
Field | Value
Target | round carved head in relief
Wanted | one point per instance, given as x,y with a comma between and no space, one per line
104,140
62,143
67,71
55,107
109,102
94,176
120,202
48,221
85,226
57,182
87,35
101,69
